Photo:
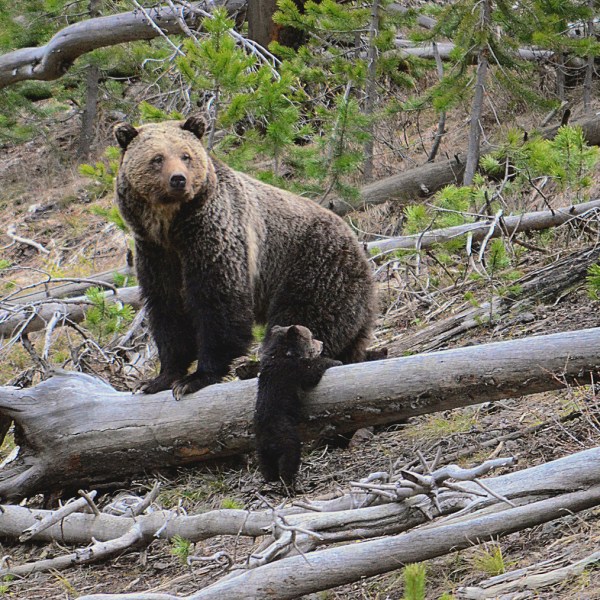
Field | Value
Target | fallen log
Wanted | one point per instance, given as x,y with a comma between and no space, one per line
55,288
421,182
512,502
27,318
531,221
74,430
348,518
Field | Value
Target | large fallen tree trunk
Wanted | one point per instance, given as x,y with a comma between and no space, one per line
74,430
422,182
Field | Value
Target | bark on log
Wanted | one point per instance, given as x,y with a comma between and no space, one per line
21,318
531,221
55,58
75,430
422,182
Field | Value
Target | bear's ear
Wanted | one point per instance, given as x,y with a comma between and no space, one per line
293,332
196,124
124,133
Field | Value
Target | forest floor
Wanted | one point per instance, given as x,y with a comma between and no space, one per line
48,201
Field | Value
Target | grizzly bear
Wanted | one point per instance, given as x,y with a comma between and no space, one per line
290,361
217,250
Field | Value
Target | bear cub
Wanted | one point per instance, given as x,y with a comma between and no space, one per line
290,361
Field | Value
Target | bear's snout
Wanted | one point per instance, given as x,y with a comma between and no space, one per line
178,181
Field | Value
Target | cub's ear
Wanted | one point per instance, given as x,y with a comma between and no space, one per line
196,124
293,332
124,133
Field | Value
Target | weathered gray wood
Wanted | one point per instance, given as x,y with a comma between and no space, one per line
57,289
55,58
75,430
332,567
335,521
531,221
25,318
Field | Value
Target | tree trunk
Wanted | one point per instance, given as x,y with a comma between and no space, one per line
261,28
88,117
74,430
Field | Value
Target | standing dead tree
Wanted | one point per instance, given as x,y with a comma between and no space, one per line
74,430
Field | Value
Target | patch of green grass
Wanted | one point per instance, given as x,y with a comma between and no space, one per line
180,547
414,581
489,560
231,503
434,426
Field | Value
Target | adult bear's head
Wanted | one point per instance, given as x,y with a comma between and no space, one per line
164,163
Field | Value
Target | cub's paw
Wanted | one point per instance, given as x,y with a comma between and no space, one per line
155,385
192,383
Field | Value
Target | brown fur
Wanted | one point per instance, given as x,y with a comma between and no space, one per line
290,362
224,250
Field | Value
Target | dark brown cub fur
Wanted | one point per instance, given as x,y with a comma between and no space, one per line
290,361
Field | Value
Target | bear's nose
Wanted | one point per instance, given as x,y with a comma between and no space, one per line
177,181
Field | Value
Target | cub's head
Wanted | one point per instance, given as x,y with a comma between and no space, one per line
165,162
295,341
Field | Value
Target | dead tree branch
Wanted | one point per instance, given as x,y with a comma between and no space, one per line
54,59
532,221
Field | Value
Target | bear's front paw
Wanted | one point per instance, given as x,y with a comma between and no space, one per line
192,383
152,386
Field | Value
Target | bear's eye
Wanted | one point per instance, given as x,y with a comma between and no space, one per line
186,157
157,160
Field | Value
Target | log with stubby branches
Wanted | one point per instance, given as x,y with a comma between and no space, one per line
474,512
74,430
490,227
55,58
